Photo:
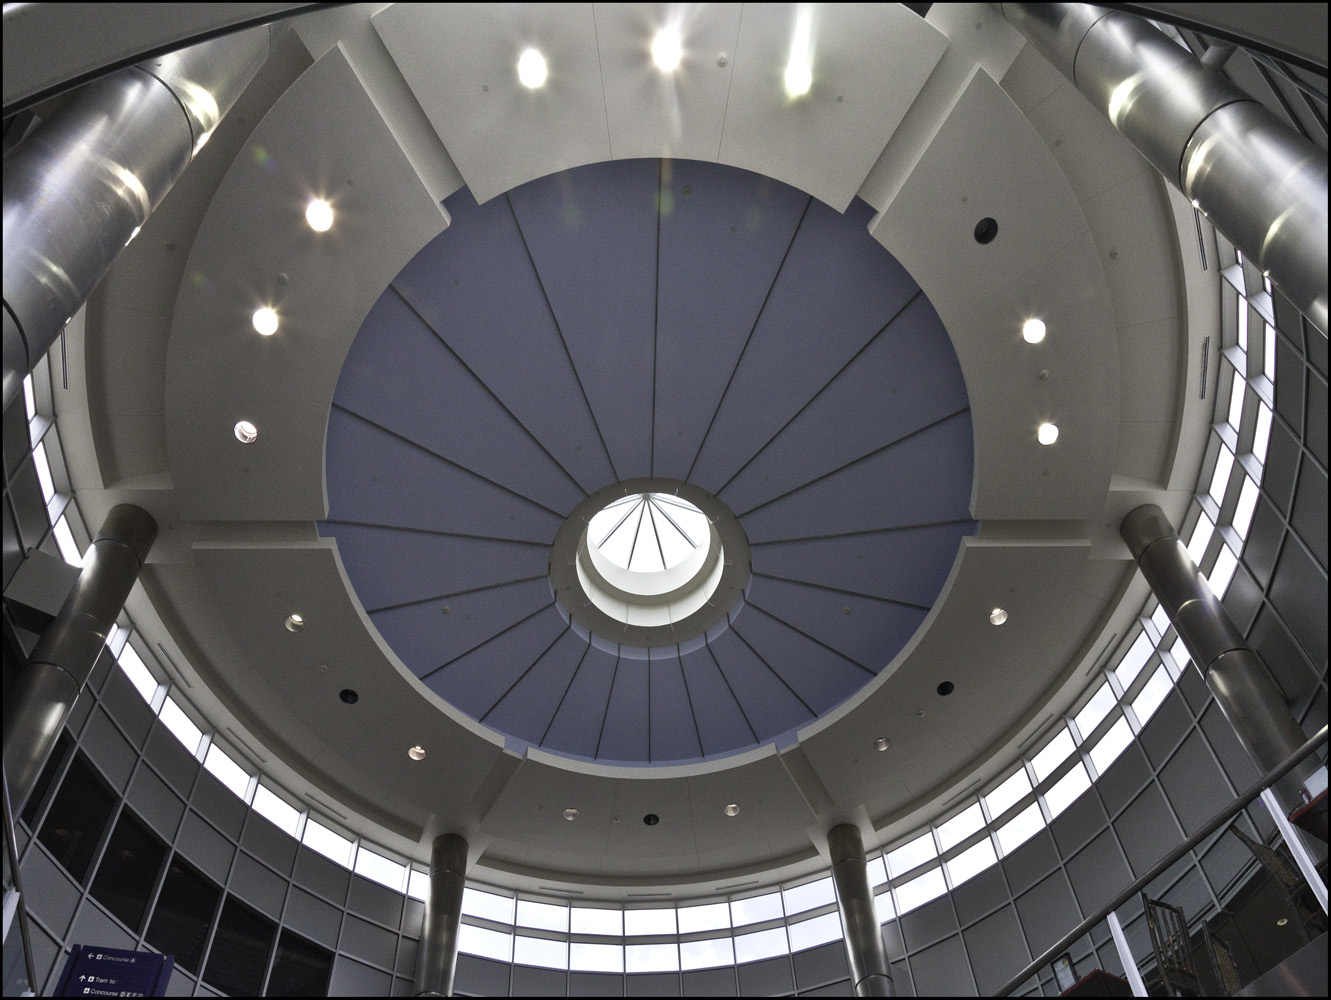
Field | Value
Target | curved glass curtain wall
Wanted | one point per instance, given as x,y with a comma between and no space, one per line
761,924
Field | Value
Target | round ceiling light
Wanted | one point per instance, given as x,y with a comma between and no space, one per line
246,432
294,623
417,752
570,814
532,70
667,50
881,744
799,78
1033,331
997,617
265,321
1047,433
319,214
349,696
732,809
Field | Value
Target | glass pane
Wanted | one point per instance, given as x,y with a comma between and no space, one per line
138,673
809,896
651,958
960,826
1054,753
1067,789
1133,661
43,465
29,397
1095,710
538,951
1269,352
1160,619
764,944
418,887
486,944
1223,571
1247,504
183,913
877,870
128,872
175,719
226,770
47,778
755,909
546,916
703,918
239,955
64,540
301,969
884,907
912,855
1111,745
1179,654
586,920
276,810
819,930
920,890
706,954
1021,828
76,819
1224,465
1262,435
649,921
596,957
1152,695
1236,393
972,861
1008,794
489,905
331,845
1201,537
380,869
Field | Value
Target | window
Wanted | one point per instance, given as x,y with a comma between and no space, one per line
1008,794
283,816
809,896
755,909
128,872
138,673
539,951
487,905
1201,537
818,930
1133,661
1021,828
485,943
239,955
1100,705
175,719
1224,465
226,770
301,969
587,920
331,845
1054,753
1247,504
919,891
972,861
649,921
764,944
1111,745
912,855
596,958
183,913
76,819
380,869
1155,692
713,916
543,916
1067,789
960,826
651,958
706,954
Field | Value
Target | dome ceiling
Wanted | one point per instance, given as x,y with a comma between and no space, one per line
649,319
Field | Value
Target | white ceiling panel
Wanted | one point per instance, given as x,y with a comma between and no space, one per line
868,63
461,62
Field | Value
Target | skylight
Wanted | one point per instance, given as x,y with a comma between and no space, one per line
649,532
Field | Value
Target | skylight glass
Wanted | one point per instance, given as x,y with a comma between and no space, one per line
1179,654
1160,619
43,471
29,398
1201,537
1224,464
64,540
649,532
1235,418
1223,571
1269,352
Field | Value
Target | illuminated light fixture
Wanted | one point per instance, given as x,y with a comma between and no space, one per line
799,69
319,214
132,235
1047,433
1032,331
417,752
265,321
997,617
570,814
731,810
667,50
799,78
532,70
881,744
295,623
246,432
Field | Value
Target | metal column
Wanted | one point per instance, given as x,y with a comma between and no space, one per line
1261,183
78,189
65,654
437,954
1245,691
869,969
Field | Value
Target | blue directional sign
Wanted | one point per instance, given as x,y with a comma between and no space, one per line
93,971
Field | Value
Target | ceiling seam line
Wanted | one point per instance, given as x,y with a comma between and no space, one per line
730,84
487,641
814,639
448,461
856,461
567,688
457,593
600,69
649,706
577,377
657,532
747,340
729,687
492,394
509,689
605,712
839,372
433,531
656,311
866,531
763,660
840,590
688,698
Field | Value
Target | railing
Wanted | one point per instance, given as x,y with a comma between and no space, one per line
1222,818
14,883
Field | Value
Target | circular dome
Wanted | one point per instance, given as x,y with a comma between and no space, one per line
600,345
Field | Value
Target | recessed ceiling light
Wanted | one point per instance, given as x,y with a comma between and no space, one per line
946,688
417,752
570,814
1032,331
731,810
319,214
265,321
349,696
531,68
667,50
881,744
1047,433
246,432
997,617
651,819
799,78
295,623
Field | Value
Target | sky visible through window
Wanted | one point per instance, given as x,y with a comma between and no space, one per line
648,532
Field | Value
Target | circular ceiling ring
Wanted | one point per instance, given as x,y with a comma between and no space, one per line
697,600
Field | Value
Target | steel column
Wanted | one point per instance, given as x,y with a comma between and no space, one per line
64,656
1261,183
78,189
869,968
1250,699
437,953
